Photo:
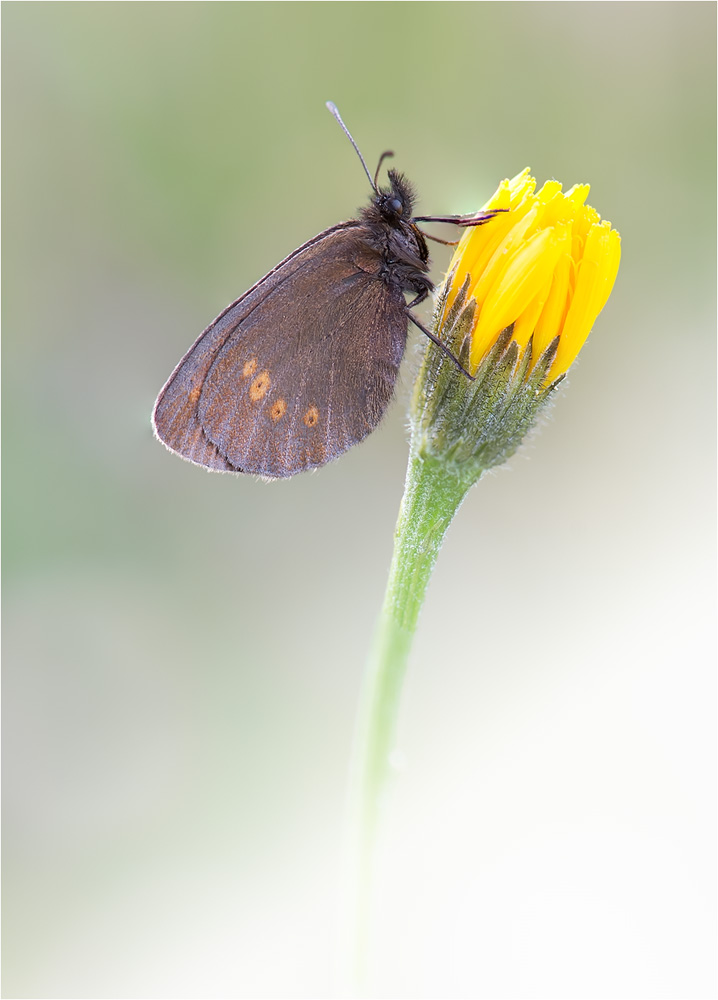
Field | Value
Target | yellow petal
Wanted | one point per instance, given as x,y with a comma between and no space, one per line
521,186
549,191
478,243
501,199
595,276
577,194
610,268
554,311
585,218
527,273
545,266
492,263
482,243
525,325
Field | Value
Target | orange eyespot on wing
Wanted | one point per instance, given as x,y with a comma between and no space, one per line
249,368
260,387
311,417
279,408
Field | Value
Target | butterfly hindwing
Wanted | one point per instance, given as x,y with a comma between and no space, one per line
287,379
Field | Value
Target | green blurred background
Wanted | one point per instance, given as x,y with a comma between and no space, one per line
183,651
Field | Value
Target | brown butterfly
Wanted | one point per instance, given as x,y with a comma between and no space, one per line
303,365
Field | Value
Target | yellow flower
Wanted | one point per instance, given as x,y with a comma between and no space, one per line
545,264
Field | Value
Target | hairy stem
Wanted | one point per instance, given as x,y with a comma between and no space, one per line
432,496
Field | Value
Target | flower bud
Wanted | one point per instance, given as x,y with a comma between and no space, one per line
522,294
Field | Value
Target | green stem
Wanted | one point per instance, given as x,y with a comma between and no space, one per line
432,496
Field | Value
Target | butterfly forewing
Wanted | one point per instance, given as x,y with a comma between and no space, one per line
281,381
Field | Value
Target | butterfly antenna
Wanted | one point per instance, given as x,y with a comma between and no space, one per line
335,111
387,153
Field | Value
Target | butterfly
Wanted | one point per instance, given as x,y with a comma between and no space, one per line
304,364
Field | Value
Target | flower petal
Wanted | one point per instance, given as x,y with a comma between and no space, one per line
526,274
544,266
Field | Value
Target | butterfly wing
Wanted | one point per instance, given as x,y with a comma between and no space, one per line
294,372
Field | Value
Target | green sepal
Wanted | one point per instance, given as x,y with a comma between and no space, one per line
475,425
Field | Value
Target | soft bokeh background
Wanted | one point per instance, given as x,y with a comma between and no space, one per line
183,651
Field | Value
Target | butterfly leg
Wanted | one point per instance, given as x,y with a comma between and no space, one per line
478,219
434,338
436,239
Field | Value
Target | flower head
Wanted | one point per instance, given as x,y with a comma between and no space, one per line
545,264
522,294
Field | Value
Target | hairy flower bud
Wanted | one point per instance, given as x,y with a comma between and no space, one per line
521,296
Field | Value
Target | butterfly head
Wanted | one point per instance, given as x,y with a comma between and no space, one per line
396,203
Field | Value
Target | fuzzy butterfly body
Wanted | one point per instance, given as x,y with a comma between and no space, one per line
303,365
